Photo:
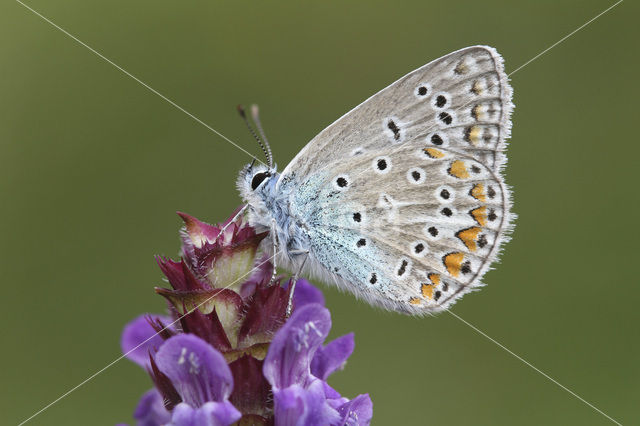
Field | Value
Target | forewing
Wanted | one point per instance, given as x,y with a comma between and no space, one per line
461,101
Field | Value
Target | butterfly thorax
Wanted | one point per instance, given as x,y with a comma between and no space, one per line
269,210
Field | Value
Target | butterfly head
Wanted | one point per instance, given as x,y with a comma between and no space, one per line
255,182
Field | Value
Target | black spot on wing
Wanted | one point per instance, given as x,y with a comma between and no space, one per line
394,128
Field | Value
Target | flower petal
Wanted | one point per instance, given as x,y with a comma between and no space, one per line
358,411
332,356
150,410
210,414
199,372
306,293
294,345
139,338
298,406
288,405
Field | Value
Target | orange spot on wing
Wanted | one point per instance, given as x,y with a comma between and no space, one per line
427,291
469,236
476,88
474,134
480,215
461,68
477,113
477,192
434,278
433,153
414,301
458,169
453,263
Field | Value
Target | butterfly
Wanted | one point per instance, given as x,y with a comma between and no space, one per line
401,201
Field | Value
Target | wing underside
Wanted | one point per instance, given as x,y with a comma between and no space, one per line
403,197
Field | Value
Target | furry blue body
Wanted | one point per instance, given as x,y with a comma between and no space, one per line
270,210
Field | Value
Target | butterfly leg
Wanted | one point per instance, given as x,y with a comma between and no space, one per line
295,278
274,236
233,219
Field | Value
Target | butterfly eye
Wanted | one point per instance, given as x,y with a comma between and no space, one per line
258,178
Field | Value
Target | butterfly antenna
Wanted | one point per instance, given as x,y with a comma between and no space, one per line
255,114
253,133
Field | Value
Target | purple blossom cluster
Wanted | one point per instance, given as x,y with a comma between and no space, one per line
227,353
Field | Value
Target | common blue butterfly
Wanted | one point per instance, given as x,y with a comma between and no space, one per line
401,201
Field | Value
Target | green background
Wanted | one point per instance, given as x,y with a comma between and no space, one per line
93,167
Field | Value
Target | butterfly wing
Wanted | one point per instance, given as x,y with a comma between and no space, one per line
461,101
402,197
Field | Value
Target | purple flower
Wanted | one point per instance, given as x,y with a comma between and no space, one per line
201,377
300,396
227,353
151,411
141,337
332,357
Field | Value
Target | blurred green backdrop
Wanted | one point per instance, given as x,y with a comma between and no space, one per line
93,167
